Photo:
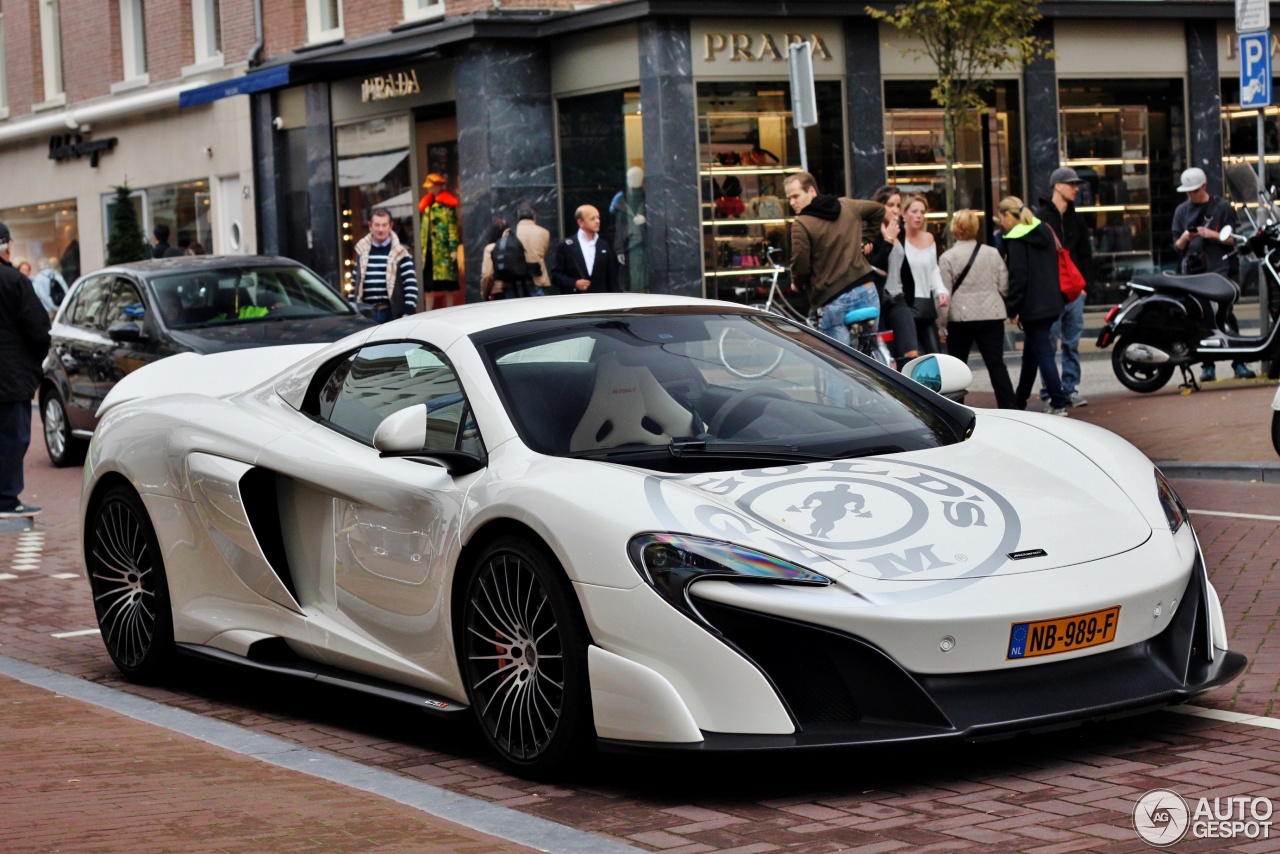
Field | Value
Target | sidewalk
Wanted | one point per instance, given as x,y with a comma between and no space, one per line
78,777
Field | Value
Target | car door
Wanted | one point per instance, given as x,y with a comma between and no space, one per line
374,578
117,358
76,338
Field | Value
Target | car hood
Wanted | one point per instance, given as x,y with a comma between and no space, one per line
1012,499
267,333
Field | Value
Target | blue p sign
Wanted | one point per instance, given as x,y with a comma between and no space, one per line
1255,69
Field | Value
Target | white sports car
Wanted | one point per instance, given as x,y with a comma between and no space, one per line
640,522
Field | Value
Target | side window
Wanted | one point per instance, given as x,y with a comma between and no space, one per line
125,304
376,381
89,300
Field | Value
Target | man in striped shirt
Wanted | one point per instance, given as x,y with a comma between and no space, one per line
384,275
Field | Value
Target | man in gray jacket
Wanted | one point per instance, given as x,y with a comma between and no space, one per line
24,342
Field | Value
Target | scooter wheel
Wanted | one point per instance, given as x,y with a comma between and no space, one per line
1137,376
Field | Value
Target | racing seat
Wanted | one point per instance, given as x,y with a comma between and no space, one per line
629,405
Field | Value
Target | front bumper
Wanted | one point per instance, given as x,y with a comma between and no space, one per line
843,691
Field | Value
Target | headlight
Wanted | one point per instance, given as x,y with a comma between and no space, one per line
671,562
1174,510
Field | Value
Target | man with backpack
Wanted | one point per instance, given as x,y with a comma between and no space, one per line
518,256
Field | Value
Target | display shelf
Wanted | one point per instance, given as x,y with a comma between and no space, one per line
748,170
1109,148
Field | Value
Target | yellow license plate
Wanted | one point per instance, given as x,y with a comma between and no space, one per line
1063,634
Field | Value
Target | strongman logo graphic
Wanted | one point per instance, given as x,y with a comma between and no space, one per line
830,507
884,519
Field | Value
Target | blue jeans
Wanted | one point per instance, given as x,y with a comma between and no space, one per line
833,325
1067,329
1037,355
15,436
382,314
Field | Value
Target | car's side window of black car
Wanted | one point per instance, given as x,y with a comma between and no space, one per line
376,381
125,304
91,295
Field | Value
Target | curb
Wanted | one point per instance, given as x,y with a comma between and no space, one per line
1247,472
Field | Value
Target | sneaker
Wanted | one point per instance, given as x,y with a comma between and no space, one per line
1208,374
1243,373
1062,411
1078,399
1045,405
19,510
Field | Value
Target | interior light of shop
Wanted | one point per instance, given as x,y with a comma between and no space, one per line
922,167
1117,161
750,170
709,222
1245,158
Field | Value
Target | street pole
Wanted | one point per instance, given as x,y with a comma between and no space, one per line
804,99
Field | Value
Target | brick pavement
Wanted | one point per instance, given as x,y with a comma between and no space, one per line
1066,791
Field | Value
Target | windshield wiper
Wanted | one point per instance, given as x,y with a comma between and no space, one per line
704,448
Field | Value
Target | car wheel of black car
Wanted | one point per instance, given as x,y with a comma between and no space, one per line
1275,431
523,643
130,593
64,449
1137,376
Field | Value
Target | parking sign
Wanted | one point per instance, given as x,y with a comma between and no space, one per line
1255,69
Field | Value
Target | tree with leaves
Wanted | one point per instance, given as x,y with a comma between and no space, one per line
127,242
967,41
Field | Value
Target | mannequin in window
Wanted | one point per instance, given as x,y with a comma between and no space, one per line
630,233
438,241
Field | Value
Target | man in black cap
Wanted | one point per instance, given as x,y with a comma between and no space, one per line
1060,214
24,342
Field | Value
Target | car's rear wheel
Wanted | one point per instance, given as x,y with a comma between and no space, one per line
64,449
1138,376
523,643
130,592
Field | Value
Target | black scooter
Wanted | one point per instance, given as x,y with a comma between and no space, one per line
1170,321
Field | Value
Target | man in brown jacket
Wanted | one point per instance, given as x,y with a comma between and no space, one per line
827,264
535,239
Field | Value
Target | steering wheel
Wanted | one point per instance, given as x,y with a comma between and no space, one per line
734,403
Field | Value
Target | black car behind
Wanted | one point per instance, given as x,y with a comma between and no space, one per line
117,319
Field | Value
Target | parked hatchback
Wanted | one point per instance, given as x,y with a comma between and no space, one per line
120,318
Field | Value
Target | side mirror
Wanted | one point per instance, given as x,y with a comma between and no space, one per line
1225,234
404,434
124,331
939,372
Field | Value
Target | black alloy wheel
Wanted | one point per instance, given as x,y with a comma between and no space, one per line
1137,376
130,593
64,449
523,643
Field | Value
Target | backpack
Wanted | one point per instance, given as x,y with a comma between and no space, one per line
508,259
57,290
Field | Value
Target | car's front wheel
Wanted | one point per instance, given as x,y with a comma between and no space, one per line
130,592
523,644
64,449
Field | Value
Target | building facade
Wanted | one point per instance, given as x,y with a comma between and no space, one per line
91,95
672,118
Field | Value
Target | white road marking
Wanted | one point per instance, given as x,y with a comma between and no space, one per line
77,634
1229,717
65,575
1236,515
6,576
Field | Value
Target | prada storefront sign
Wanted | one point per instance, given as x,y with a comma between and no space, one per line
384,86
752,48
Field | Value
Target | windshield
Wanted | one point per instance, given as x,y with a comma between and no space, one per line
196,298
683,389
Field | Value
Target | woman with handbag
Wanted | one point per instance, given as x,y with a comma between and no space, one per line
922,258
978,281
1035,298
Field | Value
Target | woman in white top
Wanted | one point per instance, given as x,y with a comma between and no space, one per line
922,257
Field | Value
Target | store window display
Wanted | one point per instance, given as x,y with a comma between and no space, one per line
46,236
438,239
373,172
631,232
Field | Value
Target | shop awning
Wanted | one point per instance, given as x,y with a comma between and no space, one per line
369,169
254,81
